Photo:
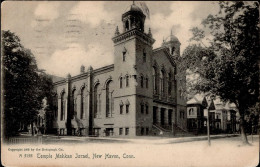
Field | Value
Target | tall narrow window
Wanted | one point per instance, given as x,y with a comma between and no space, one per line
121,109
126,131
146,82
74,104
144,56
155,80
120,131
108,100
142,81
55,105
170,84
96,100
162,79
121,82
127,108
124,55
82,103
146,108
62,116
142,108
127,81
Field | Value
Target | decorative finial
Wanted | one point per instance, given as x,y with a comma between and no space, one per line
82,69
150,33
117,31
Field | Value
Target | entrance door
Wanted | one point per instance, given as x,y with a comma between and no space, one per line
154,115
170,117
162,115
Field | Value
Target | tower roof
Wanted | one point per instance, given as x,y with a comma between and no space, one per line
134,8
171,38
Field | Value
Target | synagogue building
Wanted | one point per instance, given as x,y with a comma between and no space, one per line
137,95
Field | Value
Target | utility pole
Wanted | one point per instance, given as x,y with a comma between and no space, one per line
208,128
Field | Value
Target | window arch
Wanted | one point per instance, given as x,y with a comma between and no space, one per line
63,105
82,103
96,100
109,99
74,104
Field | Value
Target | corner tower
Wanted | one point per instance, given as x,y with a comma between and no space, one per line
132,66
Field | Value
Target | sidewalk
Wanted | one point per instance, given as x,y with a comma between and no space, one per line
144,139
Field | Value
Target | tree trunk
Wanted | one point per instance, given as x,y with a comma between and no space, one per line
242,128
32,128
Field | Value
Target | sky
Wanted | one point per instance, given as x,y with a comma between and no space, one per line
63,35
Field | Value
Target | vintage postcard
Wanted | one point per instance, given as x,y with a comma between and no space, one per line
130,83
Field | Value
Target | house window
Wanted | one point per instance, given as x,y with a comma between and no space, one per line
127,81
142,81
124,55
82,103
120,131
121,82
142,131
127,108
146,82
147,109
142,108
126,131
121,109
147,131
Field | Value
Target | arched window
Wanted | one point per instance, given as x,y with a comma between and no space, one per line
142,81
144,56
96,100
162,79
155,80
121,82
109,102
55,103
127,81
146,82
82,103
146,108
63,105
74,104
126,25
170,83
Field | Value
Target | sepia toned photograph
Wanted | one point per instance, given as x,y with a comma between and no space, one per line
130,83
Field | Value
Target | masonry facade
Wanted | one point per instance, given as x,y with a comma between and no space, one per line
137,95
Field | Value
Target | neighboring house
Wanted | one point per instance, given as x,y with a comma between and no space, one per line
135,96
195,113
223,117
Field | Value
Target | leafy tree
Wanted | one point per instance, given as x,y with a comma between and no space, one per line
24,85
227,65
